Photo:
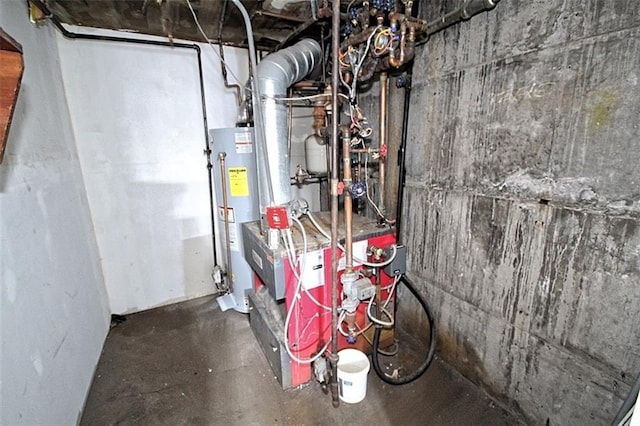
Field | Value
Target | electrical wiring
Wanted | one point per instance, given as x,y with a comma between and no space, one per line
391,289
394,249
288,243
428,356
366,182
287,321
306,327
344,83
356,69
345,333
386,32
354,109
341,56
204,35
379,321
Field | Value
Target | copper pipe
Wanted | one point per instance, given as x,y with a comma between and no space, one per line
359,168
348,201
408,7
225,205
320,113
384,89
306,84
403,41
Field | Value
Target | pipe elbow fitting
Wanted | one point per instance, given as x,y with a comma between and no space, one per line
395,63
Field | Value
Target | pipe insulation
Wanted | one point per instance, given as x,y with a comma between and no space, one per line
275,73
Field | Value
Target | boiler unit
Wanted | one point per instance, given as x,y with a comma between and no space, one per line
297,274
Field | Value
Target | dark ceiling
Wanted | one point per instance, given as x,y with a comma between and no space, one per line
276,23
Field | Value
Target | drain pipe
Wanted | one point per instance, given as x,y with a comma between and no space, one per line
335,84
468,10
72,35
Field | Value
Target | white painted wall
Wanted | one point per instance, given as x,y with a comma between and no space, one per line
54,314
138,121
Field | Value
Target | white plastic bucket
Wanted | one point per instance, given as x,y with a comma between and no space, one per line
353,367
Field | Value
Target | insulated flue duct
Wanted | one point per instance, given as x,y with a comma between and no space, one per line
275,74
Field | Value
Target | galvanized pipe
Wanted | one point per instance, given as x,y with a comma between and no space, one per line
469,9
335,84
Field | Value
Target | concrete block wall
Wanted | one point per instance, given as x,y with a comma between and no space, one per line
521,207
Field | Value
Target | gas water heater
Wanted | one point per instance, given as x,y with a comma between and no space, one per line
233,156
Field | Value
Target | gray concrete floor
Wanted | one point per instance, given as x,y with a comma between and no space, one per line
190,363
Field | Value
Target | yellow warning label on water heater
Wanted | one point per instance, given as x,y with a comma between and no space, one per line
238,181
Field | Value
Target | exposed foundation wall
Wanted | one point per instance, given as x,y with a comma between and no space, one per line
521,206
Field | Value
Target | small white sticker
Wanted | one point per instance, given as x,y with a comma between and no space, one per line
313,274
234,245
244,144
231,216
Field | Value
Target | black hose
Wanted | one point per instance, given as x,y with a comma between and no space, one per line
425,307
628,402
432,343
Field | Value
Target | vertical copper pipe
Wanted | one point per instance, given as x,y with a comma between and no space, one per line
348,201
384,89
335,84
225,205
